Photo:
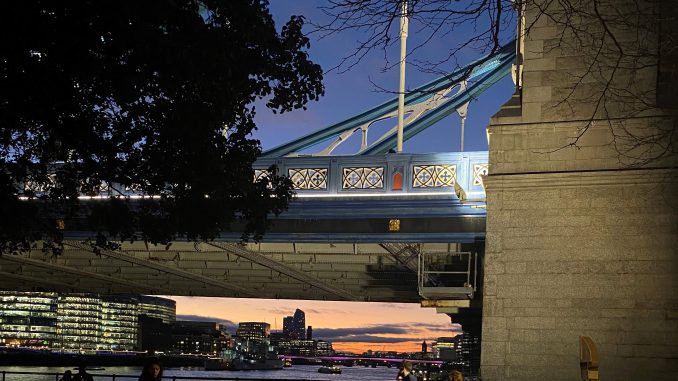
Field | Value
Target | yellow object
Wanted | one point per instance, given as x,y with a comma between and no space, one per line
588,359
394,225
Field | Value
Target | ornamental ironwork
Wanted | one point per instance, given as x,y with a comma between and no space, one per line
363,178
479,170
308,178
434,176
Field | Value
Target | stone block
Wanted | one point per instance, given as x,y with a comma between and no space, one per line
490,286
493,353
491,372
543,33
516,267
494,267
544,347
537,94
541,373
534,323
540,64
499,334
531,112
534,48
542,360
494,322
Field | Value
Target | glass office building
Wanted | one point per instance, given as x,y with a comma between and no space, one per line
161,308
253,330
79,321
28,319
76,321
119,322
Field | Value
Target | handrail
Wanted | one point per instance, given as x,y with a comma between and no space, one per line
114,377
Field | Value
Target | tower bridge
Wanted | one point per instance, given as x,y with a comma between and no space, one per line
549,233
374,226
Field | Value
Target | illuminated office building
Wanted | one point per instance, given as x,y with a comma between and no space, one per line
28,319
197,337
119,322
76,321
161,308
253,330
79,321
294,327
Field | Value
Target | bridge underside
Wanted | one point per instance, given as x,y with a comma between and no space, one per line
320,271
331,249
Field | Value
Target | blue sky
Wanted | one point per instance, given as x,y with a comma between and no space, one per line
350,93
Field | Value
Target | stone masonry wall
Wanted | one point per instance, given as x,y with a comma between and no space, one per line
582,239
575,254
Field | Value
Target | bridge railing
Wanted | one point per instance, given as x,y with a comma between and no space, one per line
447,275
384,175
457,173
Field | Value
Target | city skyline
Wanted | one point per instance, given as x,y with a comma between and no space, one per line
350,326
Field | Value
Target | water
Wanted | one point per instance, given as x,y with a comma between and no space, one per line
296,372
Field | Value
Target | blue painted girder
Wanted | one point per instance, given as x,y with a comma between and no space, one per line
482,76
439,218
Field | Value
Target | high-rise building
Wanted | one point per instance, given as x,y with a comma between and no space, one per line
309,333
299,325
294,327
287,326
28,319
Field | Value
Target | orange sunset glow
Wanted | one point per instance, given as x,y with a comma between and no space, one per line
350,326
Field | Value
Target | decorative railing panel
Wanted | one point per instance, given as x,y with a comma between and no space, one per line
308,178
434,176
479,170
260,174
363,178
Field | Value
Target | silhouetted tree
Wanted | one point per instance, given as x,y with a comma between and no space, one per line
153,96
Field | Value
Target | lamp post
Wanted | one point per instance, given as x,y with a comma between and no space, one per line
401,88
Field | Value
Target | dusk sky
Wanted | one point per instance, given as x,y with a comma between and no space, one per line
350,326
354,326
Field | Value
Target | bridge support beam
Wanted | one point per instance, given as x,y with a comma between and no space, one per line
260,259
240,291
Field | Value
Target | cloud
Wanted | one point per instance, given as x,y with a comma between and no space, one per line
308,311
374,339
230,326
336,333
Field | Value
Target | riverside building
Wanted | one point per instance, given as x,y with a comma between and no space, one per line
74,322
119,322
79,321
28,319
161,308
253,330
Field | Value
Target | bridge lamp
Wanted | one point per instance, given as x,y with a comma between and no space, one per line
401,87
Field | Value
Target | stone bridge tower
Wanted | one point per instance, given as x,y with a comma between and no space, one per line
582,197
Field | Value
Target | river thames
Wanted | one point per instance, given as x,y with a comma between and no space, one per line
297,372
